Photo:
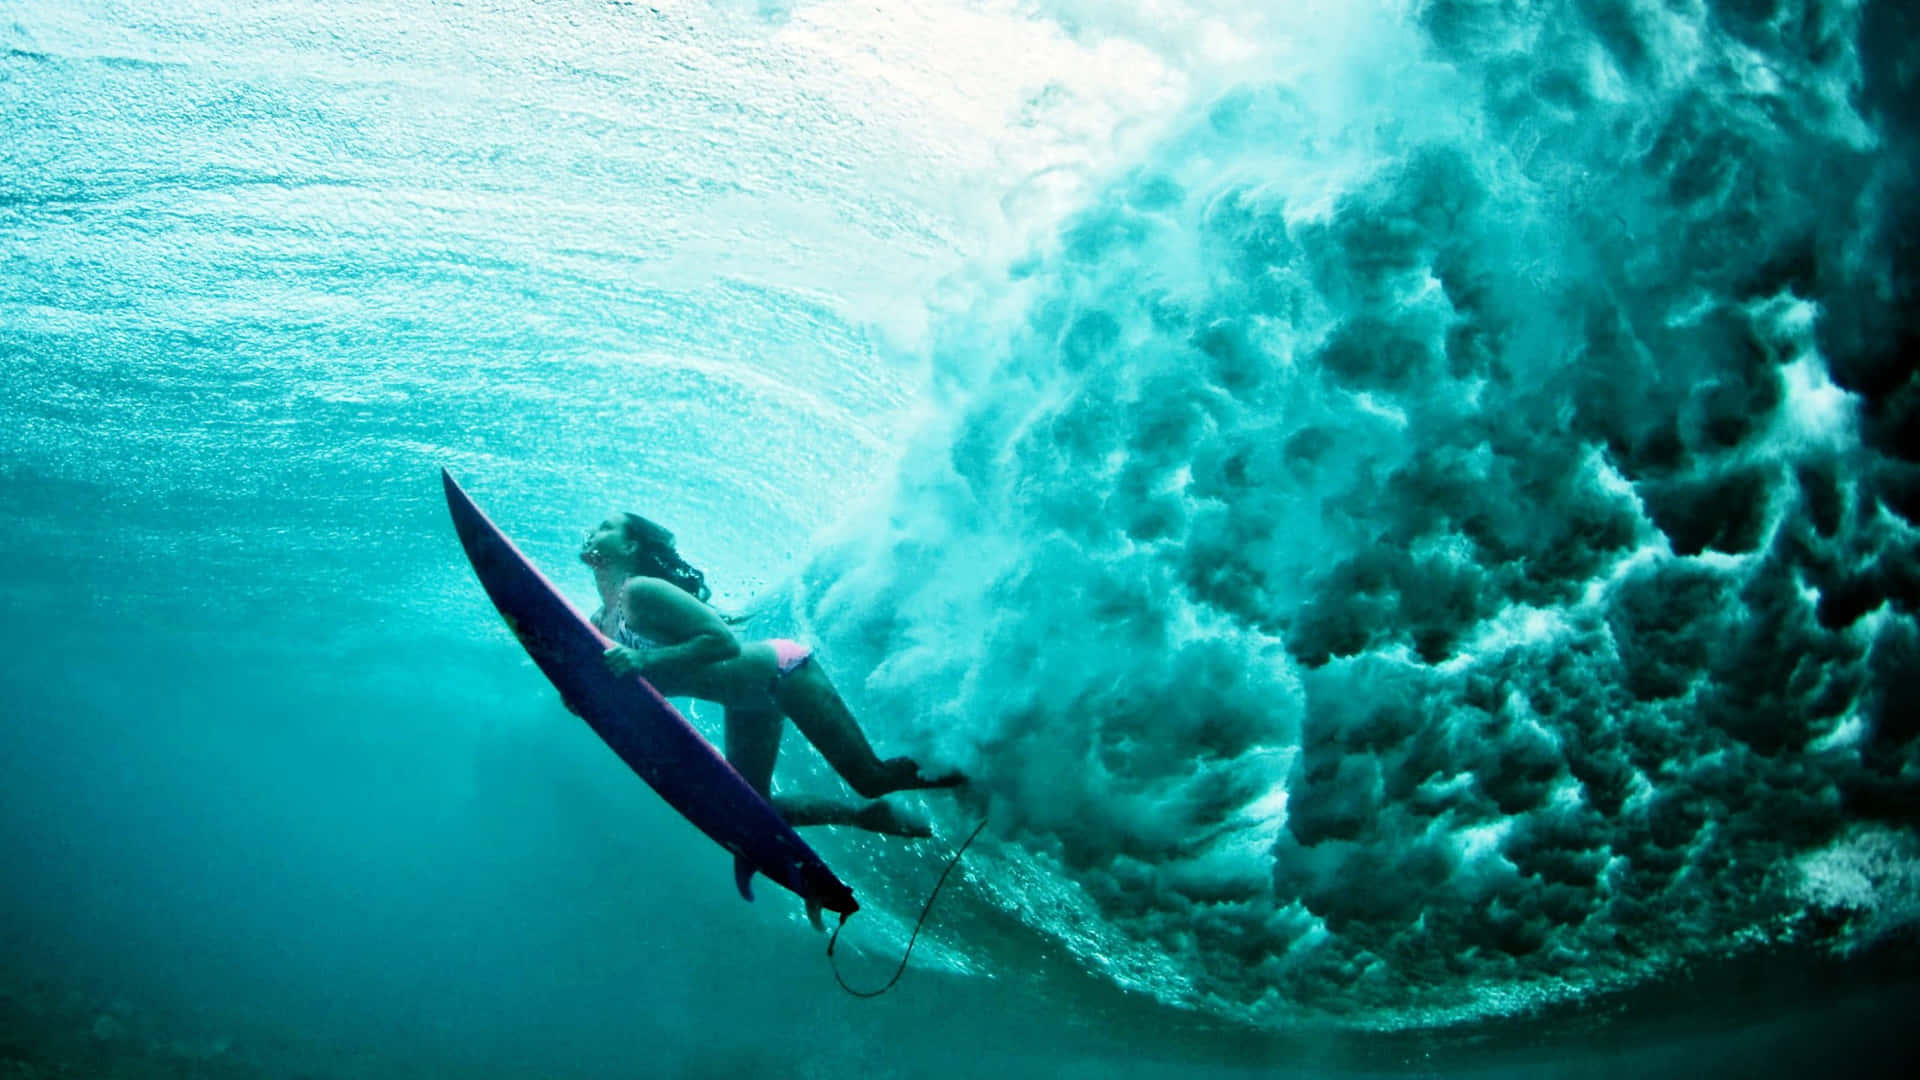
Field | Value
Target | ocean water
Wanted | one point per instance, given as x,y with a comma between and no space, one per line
1405,511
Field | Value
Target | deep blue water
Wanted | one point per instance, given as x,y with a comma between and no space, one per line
1406,511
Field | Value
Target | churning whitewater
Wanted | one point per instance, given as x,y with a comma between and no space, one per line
1435,536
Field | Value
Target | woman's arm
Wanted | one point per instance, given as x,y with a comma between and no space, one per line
663,612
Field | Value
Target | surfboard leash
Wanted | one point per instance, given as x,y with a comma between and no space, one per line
918,923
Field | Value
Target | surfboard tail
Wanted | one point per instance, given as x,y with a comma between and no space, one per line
820,886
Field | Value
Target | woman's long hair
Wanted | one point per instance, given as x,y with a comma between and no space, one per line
658,558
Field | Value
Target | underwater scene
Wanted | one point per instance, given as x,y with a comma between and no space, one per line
1398,522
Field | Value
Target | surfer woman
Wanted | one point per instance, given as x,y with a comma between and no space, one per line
653,605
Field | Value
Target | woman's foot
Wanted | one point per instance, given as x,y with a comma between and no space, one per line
903,774
882,817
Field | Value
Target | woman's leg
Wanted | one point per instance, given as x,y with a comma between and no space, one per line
817,709
801,811
752,742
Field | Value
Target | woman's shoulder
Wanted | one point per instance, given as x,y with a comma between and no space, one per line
648,583
644,589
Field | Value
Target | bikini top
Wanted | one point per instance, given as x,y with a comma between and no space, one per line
631,638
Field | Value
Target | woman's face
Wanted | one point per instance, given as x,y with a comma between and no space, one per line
607,543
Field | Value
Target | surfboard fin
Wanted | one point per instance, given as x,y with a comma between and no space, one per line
813,914
743,877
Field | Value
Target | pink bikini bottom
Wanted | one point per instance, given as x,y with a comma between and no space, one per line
790,655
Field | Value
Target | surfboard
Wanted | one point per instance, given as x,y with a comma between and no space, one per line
640,725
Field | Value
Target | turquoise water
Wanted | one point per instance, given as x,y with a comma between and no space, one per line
1405,510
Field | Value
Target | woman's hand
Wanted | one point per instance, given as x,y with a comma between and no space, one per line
623,661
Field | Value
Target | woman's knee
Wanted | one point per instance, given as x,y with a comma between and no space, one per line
753,711
749,714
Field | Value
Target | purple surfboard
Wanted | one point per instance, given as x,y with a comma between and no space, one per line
646,731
